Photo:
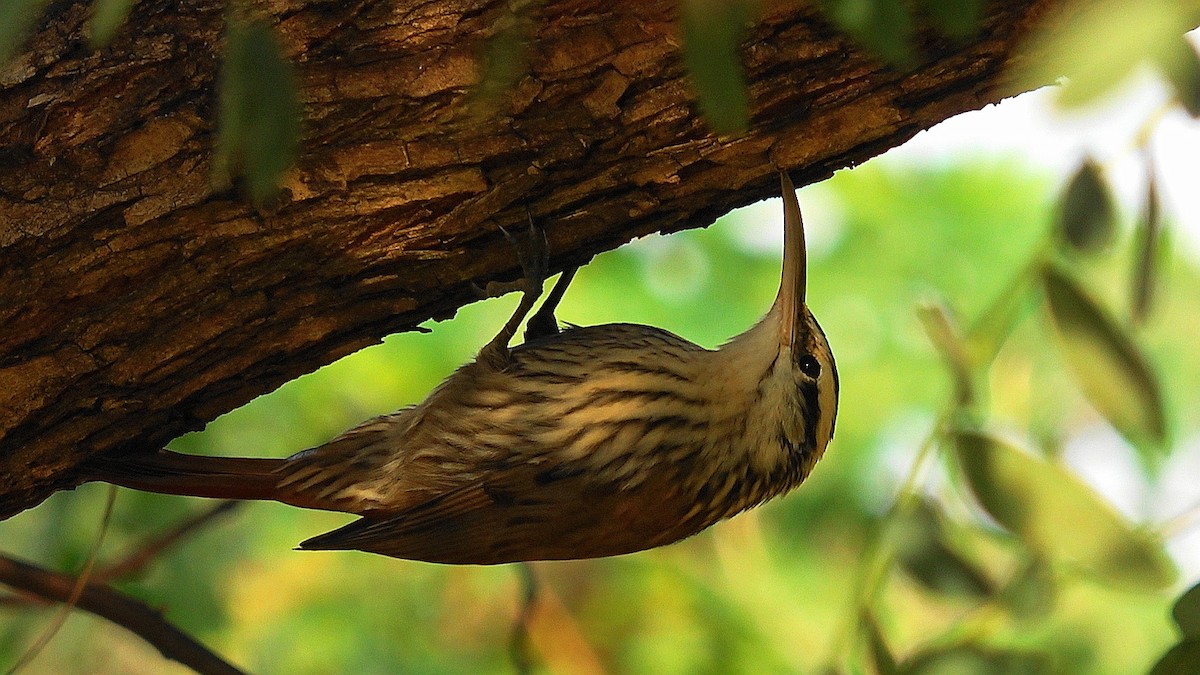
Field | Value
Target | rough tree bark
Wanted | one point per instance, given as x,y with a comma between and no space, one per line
137,303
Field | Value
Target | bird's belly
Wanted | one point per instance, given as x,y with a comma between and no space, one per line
585,524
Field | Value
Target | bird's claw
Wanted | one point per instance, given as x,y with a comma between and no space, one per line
533,256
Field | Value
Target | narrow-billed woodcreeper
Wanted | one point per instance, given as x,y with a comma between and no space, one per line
579,443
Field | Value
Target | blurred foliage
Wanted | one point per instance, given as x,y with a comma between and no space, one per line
1182,658
259,131
775,590
107,18
1041,503
502,57
958,19
1086,219
885,27
712,36
1109,40
17,18
1109,367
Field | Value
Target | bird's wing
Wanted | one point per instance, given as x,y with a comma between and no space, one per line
464,526
528,514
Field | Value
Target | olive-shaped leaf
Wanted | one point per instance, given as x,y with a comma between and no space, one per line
1187,612
1146,250
1182,68
972,659
947,339
1058,516
925,552
992,327
1031,592
503,59
107,17
955,18
883,26
1108,367
712,33
1106,42
1182,659
881,654
1086,214
16,20
259,130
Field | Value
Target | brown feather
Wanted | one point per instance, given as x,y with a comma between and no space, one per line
191,475
519,515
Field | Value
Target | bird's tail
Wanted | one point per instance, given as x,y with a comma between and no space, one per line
175,473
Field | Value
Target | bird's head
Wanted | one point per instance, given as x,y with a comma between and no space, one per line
802,343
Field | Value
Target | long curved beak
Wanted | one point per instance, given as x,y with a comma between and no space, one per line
791,286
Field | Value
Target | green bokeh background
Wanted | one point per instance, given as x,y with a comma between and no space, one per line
767,592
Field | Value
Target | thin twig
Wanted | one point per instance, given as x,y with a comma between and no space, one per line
134,562
1145,131
1146,253
520,644
104,601
76,589
1179,523
877,558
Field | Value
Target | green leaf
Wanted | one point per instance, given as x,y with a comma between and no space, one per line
1181,65
924,551
712,33
503,60
991,329
1086,215
1106,364
1058,516
16,20
107,18
947,339
1101,45
1146,250
1182,659
1186,612
959,19
969,659
883,26
259,132
881,654
1030,593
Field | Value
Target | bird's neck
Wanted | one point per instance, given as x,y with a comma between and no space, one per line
745,358
752,389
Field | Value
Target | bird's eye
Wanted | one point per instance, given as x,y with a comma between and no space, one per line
809,365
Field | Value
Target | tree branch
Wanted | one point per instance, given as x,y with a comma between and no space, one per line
121,609
138,303
137,559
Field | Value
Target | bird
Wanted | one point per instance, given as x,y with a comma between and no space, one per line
581,442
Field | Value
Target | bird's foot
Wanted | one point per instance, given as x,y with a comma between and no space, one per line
533,255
